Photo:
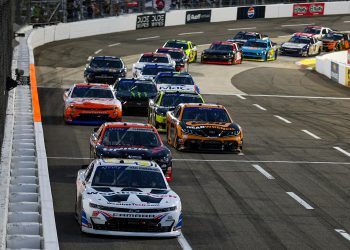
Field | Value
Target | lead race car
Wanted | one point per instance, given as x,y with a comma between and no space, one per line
126,198
301,44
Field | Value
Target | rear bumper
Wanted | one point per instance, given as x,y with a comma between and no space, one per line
229,144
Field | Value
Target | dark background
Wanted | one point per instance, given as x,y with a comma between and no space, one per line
242,12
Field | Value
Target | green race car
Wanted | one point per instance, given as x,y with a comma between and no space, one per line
167,101
188,47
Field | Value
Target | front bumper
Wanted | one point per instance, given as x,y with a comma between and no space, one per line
96,117
253,56
216,59
292,52
194,142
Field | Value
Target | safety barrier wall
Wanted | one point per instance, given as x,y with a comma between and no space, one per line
335,8
279,10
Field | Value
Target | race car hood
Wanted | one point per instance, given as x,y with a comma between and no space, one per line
133,152
217,125
253,49
107,70
132,198
140,65
239,41
294,45
127,95
216,52
95,102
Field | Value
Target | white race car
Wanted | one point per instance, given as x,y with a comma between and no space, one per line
127,198
151,57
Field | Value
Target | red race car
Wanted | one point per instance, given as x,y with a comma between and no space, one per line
222,53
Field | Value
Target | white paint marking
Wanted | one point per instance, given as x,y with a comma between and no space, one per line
248,28
204,45
300,200
98,51
346,21
311,134
299,24
343,233
183,242
146,38
285,36
114,44
282,119
190,33
259,107
241,97
342,151
263,171
304,97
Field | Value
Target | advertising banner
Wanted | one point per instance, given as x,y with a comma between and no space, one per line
198,16
150,21
347,77
349,56
334,71
308,9
251,12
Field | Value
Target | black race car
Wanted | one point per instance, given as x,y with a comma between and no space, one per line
134,93
242,36
131,141
104,69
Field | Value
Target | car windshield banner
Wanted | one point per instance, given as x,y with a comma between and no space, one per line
198,16
251,12
308,9
150,21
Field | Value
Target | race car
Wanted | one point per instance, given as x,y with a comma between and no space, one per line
259,50
204,126
179,81
335,41
151,57
131,140
126,197
301,44
222,53
135,94
242,36
187,46
316,31
149,71
167,101
104,69
178,55
90,103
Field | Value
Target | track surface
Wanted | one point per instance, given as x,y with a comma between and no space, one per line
227,202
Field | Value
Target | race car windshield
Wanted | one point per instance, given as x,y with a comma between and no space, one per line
123,176
205,114
178,45
245,36
173,54
154,71
298,39
96,63
137,88
312,30
175,80
154,59
171,100
130,137
223,47
337,37
91,92
255,44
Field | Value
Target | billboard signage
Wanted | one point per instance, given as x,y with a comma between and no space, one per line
150,21
335,71
308,9
251,12
198,16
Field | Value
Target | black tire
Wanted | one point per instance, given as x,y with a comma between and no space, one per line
276,54
265,59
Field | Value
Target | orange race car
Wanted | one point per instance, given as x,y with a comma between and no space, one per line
203,126
336,41
87,103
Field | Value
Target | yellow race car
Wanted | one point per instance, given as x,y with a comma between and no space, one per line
201,126
188,47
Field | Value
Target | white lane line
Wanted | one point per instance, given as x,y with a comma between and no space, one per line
183,242
304,97
190,33
98,51
241,97
248,28
342,151
146,38
282,119
259,107
204,45
263,171
114,44
299,24
285,36
343,233
346,21
311,134
300,200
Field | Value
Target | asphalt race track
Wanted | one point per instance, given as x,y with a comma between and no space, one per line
288,190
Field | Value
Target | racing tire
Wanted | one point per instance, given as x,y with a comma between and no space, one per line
265,58
195,58
176,146
276,53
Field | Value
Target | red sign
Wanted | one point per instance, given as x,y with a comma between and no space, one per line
308,9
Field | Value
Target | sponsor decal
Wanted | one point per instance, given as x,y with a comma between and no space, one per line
150,21
308,9
334,71
165,87
198,16
251,12
347,72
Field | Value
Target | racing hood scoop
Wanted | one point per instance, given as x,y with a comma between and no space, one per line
131,189
116,197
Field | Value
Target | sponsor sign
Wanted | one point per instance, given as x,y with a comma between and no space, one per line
347,77
150,21
308,9
198,16
251,12
334,71
349,56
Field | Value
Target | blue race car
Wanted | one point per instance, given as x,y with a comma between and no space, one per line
259,50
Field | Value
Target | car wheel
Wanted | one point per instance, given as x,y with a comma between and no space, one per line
265,59
176,145
276,53
195,58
